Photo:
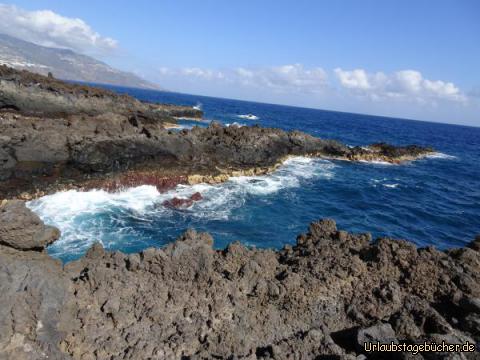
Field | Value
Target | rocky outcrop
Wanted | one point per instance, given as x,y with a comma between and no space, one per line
55,131
319,299
34,94
388,153
33,287
38,151
23,230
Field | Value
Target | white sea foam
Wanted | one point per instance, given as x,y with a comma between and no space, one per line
439,155
97,215
391,186
74,213
248,117
376,162
198,106
385,183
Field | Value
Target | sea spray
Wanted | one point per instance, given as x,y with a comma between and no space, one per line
128,219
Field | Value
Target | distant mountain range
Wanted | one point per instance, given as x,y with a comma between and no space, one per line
64,64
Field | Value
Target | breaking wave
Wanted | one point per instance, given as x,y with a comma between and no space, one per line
127,219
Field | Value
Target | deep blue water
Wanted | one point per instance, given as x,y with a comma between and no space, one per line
433,201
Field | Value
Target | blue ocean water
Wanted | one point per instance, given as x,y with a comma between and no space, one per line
433,201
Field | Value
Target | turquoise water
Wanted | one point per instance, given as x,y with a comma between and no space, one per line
433,201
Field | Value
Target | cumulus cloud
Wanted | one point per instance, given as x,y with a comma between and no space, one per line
404,84
47,28
355,79
409,85
285,78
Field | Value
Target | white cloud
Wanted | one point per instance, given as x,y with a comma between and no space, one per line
409,81
355,79
285,78
405,93
202,73
404,84
44,27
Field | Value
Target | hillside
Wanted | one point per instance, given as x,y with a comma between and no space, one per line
64,64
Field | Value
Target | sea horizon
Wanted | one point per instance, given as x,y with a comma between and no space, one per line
108,86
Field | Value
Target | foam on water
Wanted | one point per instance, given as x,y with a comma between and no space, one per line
437,201
96,215
391,186
248,117
386,183
376,162
439,155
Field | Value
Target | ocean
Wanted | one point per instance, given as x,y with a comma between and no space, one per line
432,201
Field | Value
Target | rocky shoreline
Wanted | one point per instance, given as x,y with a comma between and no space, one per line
55,135
320,299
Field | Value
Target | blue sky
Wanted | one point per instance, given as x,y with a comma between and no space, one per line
416,59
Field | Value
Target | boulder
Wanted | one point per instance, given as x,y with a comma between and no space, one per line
381,332
22,229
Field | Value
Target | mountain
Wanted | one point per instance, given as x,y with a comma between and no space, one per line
64,64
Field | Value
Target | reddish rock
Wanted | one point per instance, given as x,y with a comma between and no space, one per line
132,179
196,197
182,202
178,202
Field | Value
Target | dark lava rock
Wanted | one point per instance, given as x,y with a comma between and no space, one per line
318,299
32,94
398,151
56,130
23,230
314,300
382,333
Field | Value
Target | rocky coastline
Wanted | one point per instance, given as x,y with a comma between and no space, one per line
56,135
320,299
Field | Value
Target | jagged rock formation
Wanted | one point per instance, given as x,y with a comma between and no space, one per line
320,299
52,130
33,94
23,230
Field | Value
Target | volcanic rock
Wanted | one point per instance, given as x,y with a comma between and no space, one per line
22,229
318,299
180,202
54,131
